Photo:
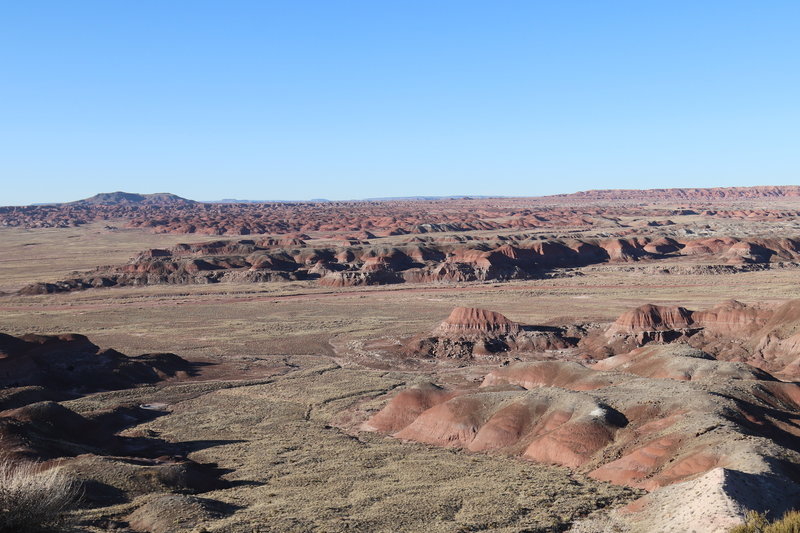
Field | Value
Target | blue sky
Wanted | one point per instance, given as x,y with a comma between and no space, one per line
348,99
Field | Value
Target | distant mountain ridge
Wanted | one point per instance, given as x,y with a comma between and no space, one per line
377,199
120,198
688,193
127,198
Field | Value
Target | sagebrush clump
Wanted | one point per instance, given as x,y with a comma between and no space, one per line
33,499
758,523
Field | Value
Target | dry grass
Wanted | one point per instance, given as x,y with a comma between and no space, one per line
758,523
32,499
292,466
295,470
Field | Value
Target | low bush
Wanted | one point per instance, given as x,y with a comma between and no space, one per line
758,523
32,499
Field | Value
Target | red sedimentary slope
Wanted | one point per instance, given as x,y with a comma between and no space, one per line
661,362
473,321
654,418
767,337
652,318
559,413
406,406
477,333
428,260
564,374
733,318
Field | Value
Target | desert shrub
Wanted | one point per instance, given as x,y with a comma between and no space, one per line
32,499
757,523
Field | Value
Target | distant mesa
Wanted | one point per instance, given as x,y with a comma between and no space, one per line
690,193
123,198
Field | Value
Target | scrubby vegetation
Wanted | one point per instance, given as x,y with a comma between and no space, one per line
758,523
32,499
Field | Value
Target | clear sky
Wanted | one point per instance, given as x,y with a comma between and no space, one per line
339,99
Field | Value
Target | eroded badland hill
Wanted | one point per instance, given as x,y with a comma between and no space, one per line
603,361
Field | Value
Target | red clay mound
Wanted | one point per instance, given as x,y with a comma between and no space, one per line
551,426
650,318
464,321
763,336
679,362
567,375
406,406
633,468
477,333
571,442
732,318
615,425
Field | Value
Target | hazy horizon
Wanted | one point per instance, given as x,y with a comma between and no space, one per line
380,198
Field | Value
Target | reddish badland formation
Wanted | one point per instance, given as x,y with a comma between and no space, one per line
470,333
660,414
565,413
764,336
424,260
170,214
166,213
465,321
623,426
